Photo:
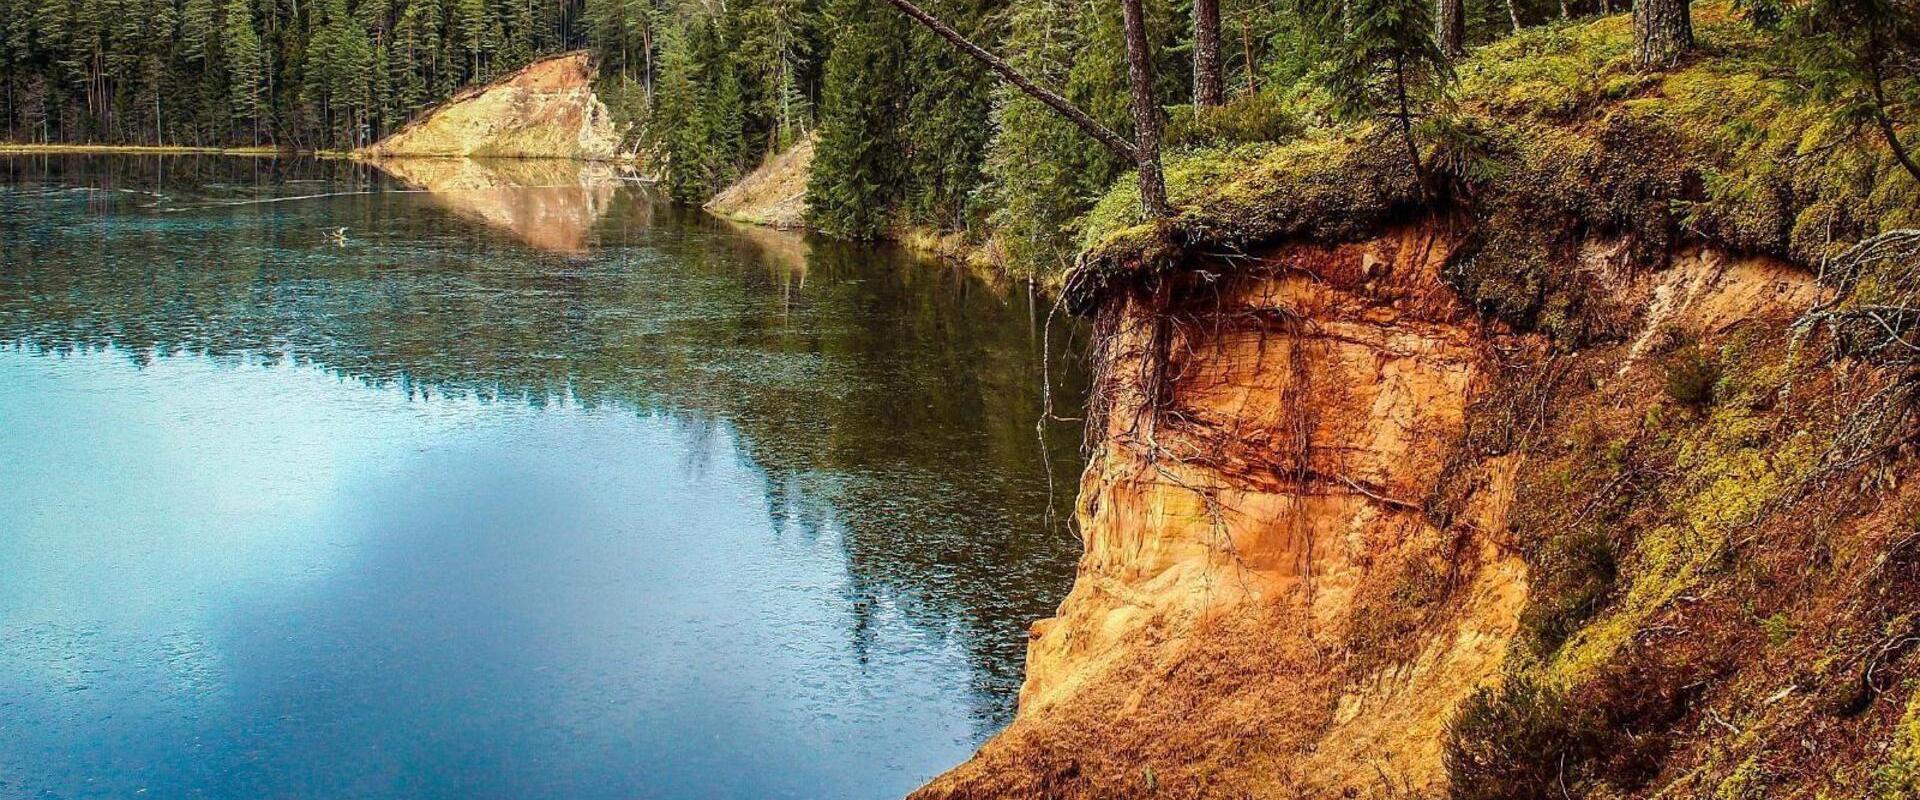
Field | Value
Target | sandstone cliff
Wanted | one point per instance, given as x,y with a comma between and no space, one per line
1581,472
1316,489
546,110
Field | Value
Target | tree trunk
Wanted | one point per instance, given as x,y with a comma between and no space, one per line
1146,112
1664,29
1450,27
1099,132
1513,13
1404,114
1877,80
1207,89
1246,56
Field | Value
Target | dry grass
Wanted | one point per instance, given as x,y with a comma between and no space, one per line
774,194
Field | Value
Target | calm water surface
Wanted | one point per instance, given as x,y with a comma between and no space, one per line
501,480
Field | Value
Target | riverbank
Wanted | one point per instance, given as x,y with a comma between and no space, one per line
774,195
26,149
1589,478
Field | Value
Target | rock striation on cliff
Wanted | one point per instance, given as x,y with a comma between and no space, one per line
545,110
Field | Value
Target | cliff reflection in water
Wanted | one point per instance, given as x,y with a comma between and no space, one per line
894,399
550,204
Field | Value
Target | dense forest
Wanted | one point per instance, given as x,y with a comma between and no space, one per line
910,130
310,75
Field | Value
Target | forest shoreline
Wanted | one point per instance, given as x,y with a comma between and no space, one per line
34,148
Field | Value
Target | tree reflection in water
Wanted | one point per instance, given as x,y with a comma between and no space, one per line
893,398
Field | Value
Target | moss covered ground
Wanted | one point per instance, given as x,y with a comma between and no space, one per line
1549,135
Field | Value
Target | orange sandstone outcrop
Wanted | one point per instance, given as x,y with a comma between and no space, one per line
1269,604
1298,562
546,110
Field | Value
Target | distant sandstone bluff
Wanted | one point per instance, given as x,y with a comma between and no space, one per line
546,110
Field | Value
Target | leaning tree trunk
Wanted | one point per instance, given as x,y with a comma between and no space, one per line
1513,13
1146,112
1664,29
1207,89
1450,27
1144,152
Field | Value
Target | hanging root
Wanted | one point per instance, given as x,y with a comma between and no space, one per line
1873,317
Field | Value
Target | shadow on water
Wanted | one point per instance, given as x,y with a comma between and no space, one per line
882,401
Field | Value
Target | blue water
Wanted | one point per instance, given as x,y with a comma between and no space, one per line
438,508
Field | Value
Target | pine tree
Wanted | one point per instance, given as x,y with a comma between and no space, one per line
244,68
858,168
1663,30
1865,53
1387,64
1208,88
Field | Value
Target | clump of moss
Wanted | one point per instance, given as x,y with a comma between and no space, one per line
1731,471
1516,741
1391,608
1247,118
1318,188
1899,776
1574,574
1749,781
1689,376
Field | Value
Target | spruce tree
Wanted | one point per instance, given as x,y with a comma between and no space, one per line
1385,66
948,120
196,30
1866,54
244,67
858,168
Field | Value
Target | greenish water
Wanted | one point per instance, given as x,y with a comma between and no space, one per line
319,483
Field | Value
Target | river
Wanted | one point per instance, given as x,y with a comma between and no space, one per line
501,480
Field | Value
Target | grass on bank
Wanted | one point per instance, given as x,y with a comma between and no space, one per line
10,148
1556,131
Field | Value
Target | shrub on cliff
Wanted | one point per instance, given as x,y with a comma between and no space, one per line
1518,741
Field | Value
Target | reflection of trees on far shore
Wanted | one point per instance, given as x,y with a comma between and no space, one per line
888,400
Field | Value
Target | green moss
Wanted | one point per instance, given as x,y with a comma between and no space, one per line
1731,471
1899,776
1578,142
1780,629
1749,781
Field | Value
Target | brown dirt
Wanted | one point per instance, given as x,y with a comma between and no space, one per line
774,194
545,110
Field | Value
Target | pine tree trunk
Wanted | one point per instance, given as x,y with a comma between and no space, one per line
1450,27
1664,29
1246,56
1146,112
1207,88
